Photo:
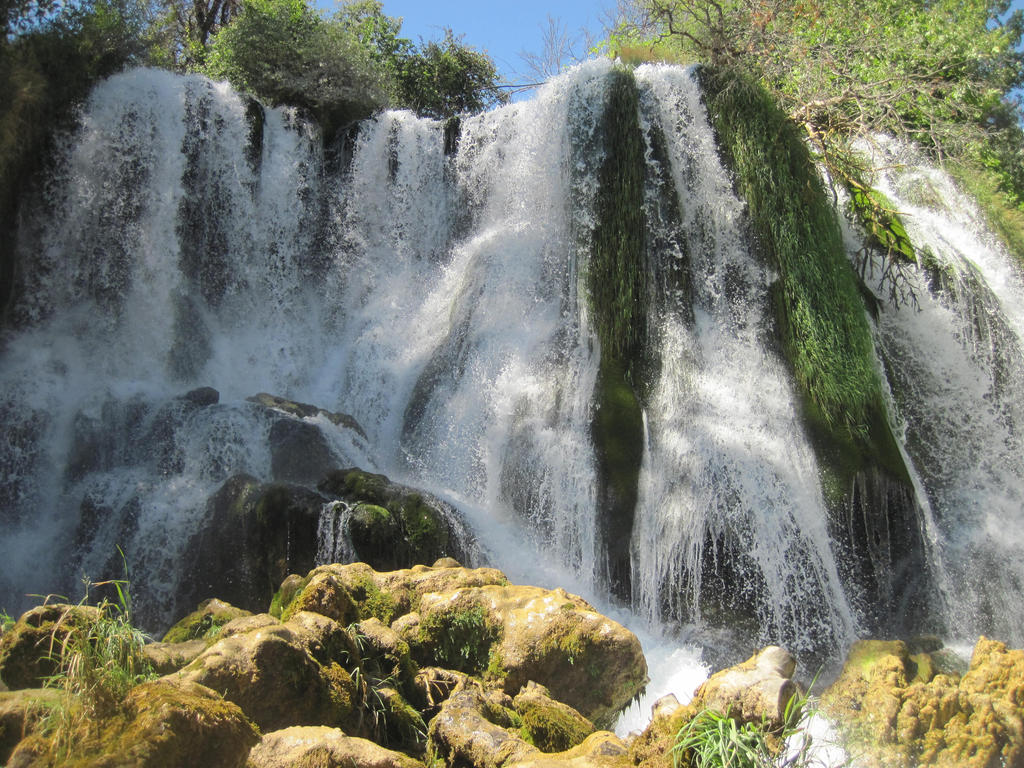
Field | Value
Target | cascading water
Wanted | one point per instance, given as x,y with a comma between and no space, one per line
438,292
956,367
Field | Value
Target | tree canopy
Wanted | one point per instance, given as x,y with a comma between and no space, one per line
938,73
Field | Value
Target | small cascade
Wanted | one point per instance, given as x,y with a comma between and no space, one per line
333,542
956,368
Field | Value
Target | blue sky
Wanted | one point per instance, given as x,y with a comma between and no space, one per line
503,28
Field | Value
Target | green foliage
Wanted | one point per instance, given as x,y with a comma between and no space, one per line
286,53
938,74
447,78
6,621
714,740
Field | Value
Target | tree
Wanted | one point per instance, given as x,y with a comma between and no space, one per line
286,53
448,78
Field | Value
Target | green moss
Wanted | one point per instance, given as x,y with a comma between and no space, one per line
372,601
460,638
817,303
204,623
616,275
553,728
1002,216
422,526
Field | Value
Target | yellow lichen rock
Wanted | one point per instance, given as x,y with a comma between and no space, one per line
899,720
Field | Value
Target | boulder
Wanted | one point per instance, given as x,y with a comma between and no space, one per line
306,746
160,723
305,411
252,536
273,677
166,658
760,688
516,634
900,714
394,526
470,732
356,591
28,648
480,730
20,713
653,747
474,622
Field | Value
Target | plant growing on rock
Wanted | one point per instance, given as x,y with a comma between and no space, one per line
715,740
98,662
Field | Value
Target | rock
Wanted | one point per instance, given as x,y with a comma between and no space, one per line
252,536
162,723
299,452
166,658
20,713
26,649
520,633
271,674
899,720
385,654
428,528
602,749
472,621
356,591
308,746
204,623
202,396
653,747
759,688
464,734
550,725
471,730
305,411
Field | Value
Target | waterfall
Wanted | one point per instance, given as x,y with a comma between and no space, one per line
956,367
192,249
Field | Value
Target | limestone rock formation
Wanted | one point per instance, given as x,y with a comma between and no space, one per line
759,688
902,713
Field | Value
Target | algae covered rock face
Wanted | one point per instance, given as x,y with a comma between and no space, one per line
900,714
322,747
394,526
26,648
161,723
550,725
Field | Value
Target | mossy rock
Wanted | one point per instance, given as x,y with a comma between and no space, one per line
20,715
272,675
205,622
459,636
28,649
393,526
549,725
161,724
